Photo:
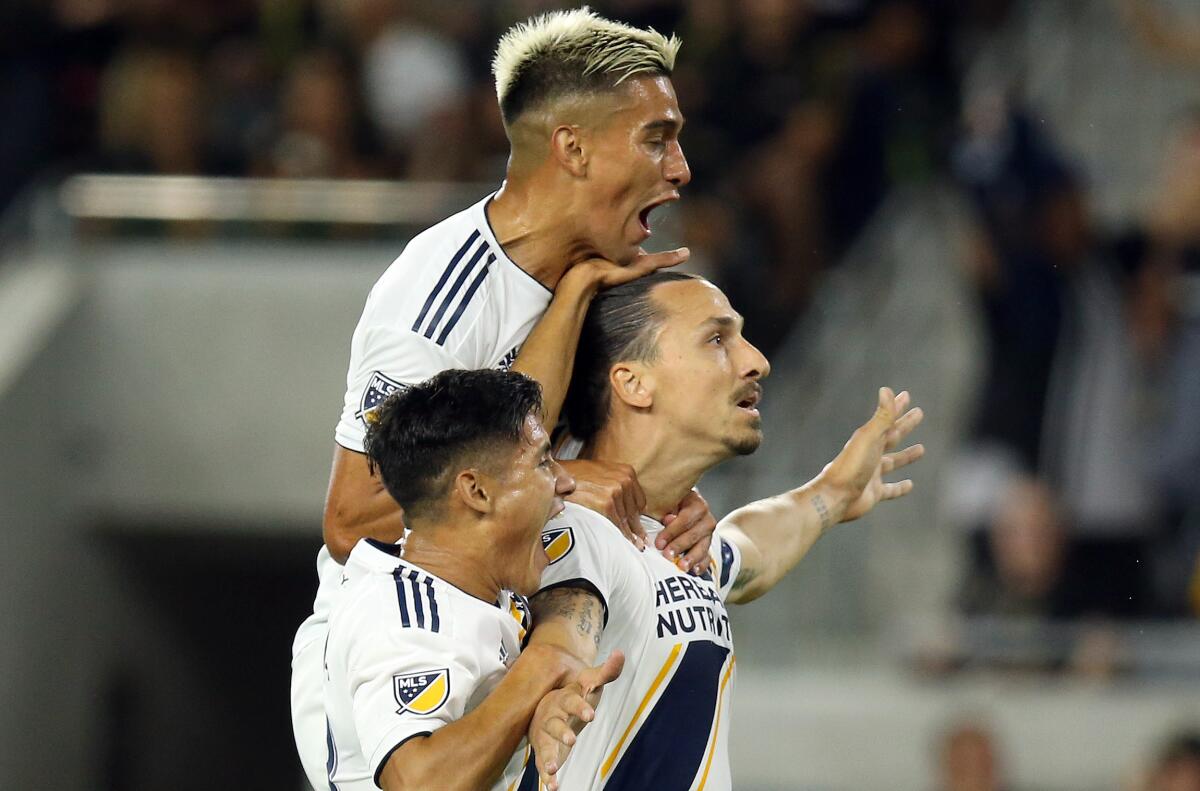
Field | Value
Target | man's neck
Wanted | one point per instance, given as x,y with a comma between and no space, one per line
532,225
666,470
423,547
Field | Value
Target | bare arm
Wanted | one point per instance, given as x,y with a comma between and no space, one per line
548,354
471,752
774,534
357,506
572,620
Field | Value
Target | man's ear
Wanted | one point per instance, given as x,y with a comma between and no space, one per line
568,149
471,488
632,384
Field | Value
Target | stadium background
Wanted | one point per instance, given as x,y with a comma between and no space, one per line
993,203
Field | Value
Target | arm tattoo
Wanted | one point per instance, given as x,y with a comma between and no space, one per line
818,503
572,605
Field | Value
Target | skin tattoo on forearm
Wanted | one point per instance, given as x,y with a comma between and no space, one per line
822,511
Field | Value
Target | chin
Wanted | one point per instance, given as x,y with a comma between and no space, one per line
744,446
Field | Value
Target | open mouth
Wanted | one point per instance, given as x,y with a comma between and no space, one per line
644,214
749,401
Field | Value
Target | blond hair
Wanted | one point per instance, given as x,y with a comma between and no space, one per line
566,52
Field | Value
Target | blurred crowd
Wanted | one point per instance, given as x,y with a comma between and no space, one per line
802,116
1085,443
969,756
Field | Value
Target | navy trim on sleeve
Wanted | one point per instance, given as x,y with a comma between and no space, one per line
388,754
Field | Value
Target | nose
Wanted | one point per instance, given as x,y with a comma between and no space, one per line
564,484
675,166
756,365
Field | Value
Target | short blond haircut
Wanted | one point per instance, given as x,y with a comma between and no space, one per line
571,52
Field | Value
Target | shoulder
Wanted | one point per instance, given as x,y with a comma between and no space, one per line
579,525
427,260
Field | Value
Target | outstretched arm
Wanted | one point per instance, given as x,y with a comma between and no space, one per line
774,534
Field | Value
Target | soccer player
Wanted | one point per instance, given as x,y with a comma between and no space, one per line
427,685
594,127
665,382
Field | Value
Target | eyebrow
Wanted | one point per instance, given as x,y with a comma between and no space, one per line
664,124
724,322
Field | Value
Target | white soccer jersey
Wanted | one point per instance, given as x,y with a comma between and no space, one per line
409,653
453,299
664,723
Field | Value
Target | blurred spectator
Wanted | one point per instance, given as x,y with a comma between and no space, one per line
152,113
321,134
967,759
1022,569
1177,766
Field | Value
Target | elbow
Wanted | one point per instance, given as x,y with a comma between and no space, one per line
339,534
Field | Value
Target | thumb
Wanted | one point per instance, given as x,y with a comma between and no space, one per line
594,677
885,413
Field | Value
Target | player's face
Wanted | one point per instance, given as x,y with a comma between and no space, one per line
707,376
529,494
636,165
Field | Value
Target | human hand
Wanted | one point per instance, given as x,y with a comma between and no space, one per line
563,713
613,490
605,274
687,534
856,474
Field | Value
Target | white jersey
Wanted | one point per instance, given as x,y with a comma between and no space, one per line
409,653
664,723
453,299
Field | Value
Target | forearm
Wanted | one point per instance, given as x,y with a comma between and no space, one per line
470,753
548,354
776,533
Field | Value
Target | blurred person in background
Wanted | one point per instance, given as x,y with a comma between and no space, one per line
320,132
1176,766
967,759
1166,319
594,127
1023,573
152,111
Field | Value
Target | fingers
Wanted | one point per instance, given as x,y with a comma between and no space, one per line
894,461
904,425
650,262
898,489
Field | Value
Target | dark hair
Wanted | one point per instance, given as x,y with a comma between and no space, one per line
455,419
621,326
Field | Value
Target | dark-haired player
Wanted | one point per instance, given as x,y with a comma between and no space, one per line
665,382
427,686
594,127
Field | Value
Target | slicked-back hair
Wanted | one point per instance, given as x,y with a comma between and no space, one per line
621,326
457,419
565,53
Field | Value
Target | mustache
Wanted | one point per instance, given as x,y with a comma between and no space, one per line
754,391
